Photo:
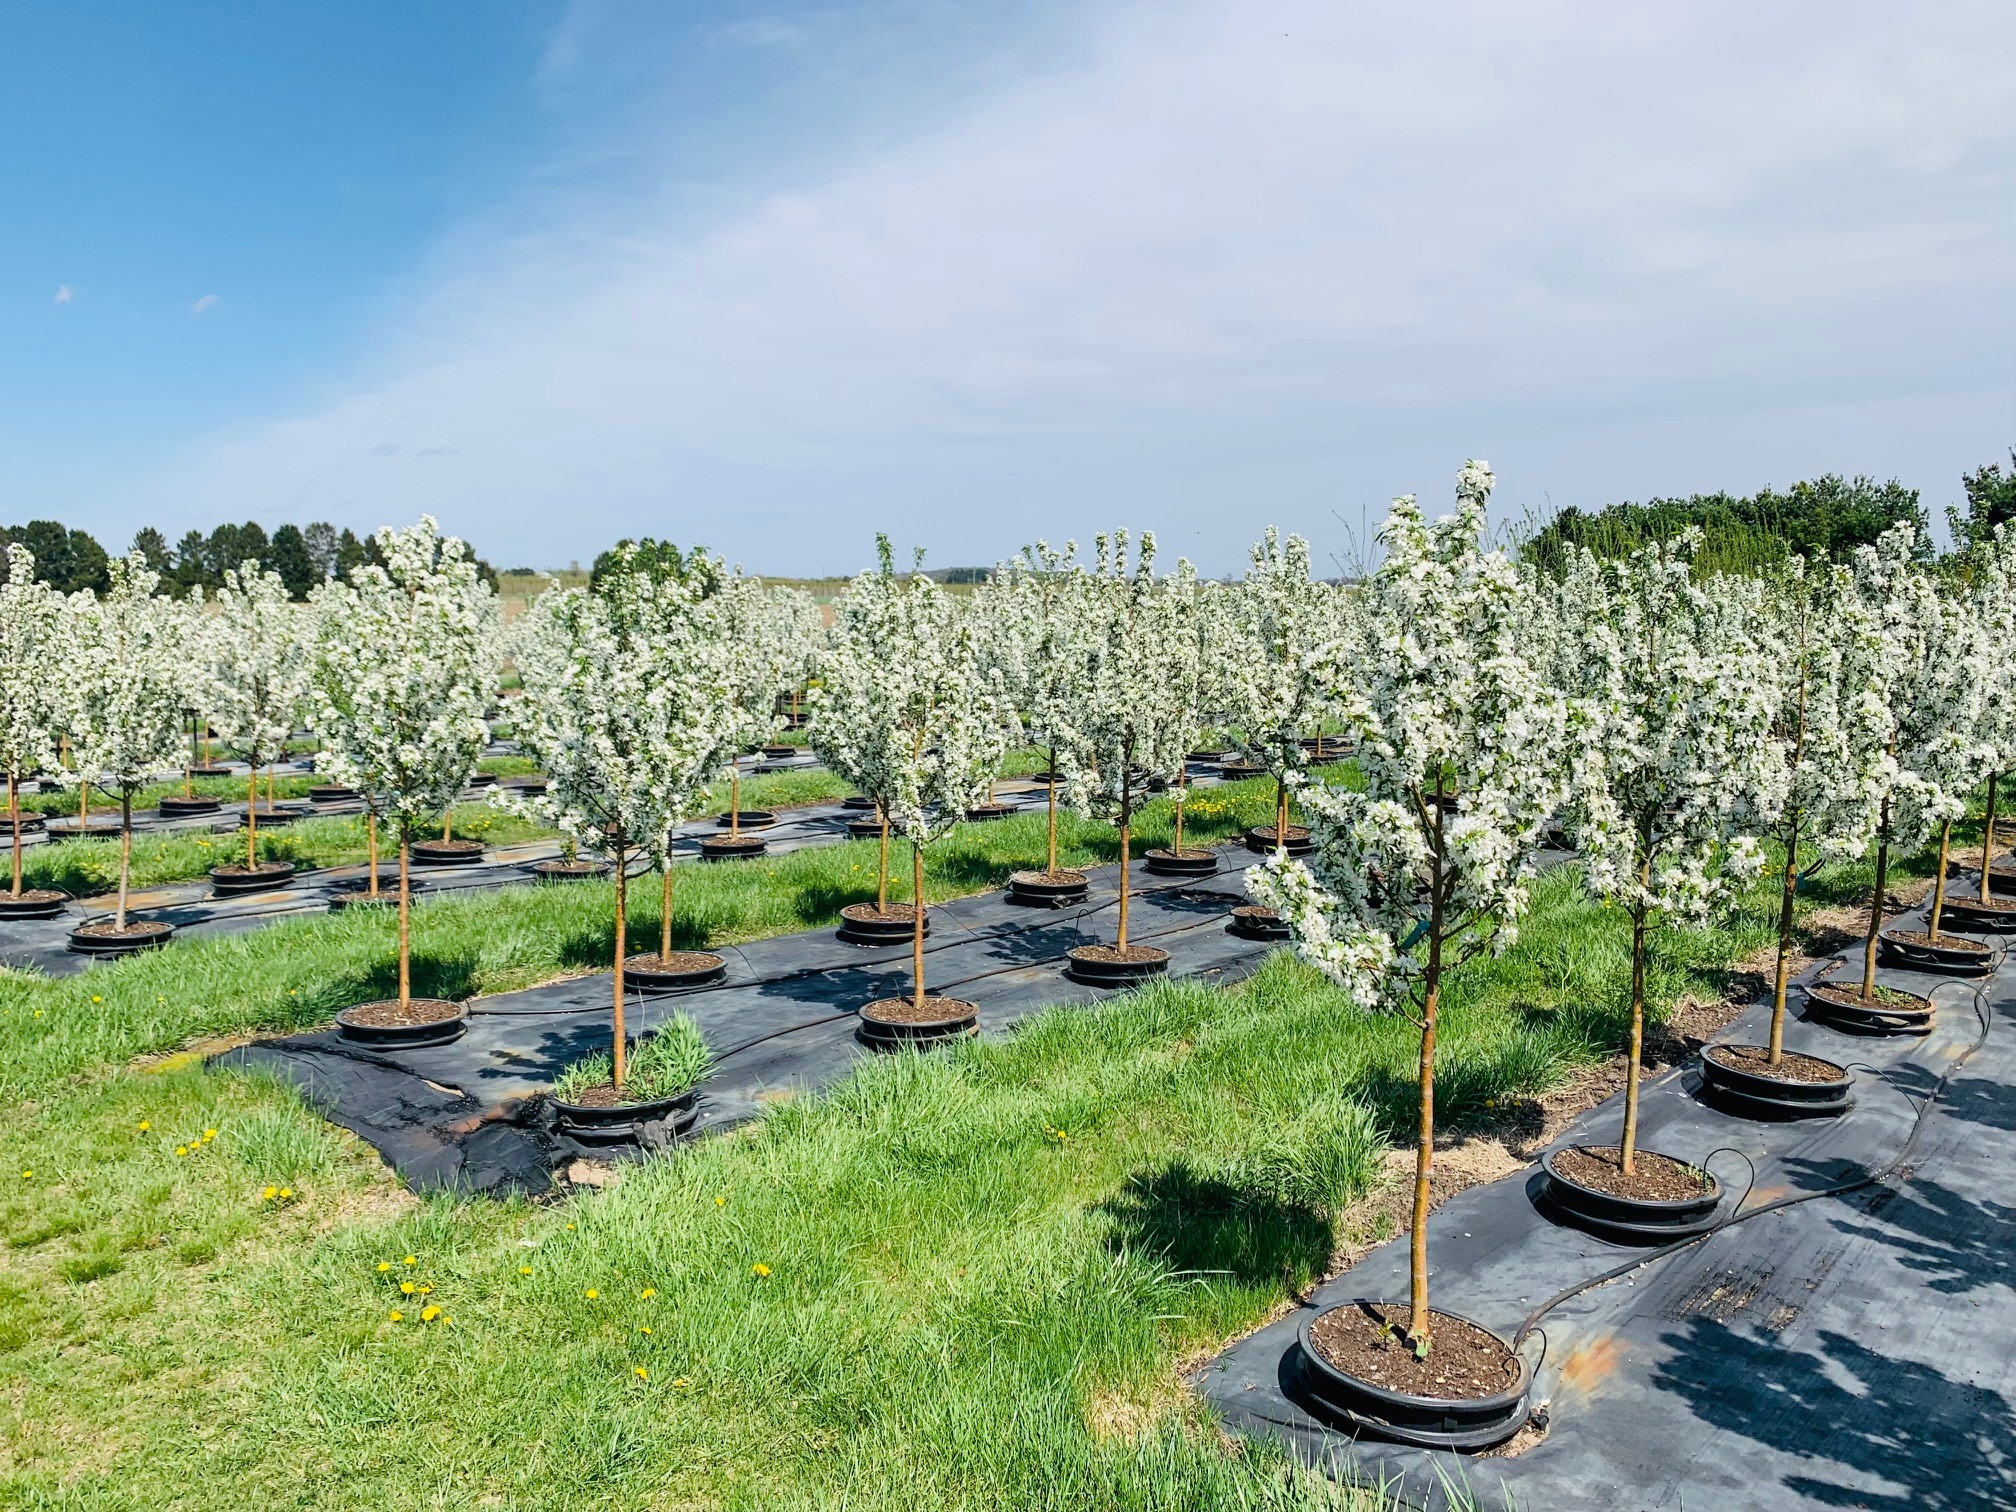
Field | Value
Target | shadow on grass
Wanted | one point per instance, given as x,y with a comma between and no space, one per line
1202,1224
436,974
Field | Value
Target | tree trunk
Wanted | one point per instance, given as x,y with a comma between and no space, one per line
14,817
1782,976
735,802
405,922
125,854
371,849
1280,816
251,820
1939,881
1876,907
1424,1153
1987,837
270,789
1052,871
1627,1154
448,822
619,1058
1126,816
83,803
665,912
882,864
1182,779
917,921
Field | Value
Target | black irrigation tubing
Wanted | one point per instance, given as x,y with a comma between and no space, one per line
1868,1179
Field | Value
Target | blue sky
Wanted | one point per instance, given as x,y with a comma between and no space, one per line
776,278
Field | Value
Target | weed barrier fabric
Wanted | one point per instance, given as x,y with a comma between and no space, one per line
1850,1350
472,1115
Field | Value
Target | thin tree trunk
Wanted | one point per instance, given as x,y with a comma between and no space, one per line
619,1059
189,776
1052,871
371,849
735,802
1424,1152
251,820
1876,907
125,854
83,804
665,912
1627,1154
1783,975
1987,837
448,822
270,788
1182,792
1126,816
882,865
917,921
1939,883
14,817
1280,816
405,923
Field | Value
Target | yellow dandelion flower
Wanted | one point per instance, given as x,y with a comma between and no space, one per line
286,1194
681,1384
644,1328
647,1294
384,1266
591,1294
145,1126
524,1270
208,1135
570,1228
759,1269
181,1149
410,1260
96,999
429,1313
398,1316
407,1287
26,1174
642,1373
720,1202
270,1193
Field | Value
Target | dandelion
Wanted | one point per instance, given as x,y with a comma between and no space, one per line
398,1316
643,1328
647,1294
642,1373
720,1202
181,1149
759,1269
591,1294
384,1266
524,1270
570,1228
410,1260
270,1193
429,1313
26,1174
286,1194
208,1135
407,1287
681,1384
144,1126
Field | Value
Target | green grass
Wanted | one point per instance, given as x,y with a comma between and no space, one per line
229,789
986,1269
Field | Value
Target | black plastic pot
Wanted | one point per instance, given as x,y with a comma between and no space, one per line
748,819
652,979
446,852
732,848
530,787
482,779
331,792
568,871
1869,1019
1260,840
1626,1220
1166,863
1949,956
228,881
859,802
1252,922
273,818
1239,771
860,926
402,1036
1094,971
213,770
175,806
1362,1408
982,813
1207,758
1754,1096
70,829
144,935
1972,915
31,824
897,1034
864,829
780,752
1035,890
34,903
624,1123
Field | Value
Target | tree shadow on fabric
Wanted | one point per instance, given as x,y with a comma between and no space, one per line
1878,1432
1200,1223
1958,1243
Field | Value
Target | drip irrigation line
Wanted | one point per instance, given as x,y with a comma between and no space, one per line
1868,1179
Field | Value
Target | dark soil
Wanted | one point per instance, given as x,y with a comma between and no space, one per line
868,913
1941,941
903,1010
1464,1362
37,895
1115,956
263,869
1188,853
460,847
1255,911
1050,878
1657,1178
1886,999
390,1015
602,1095
111,931
1295,832
1791,1067
679,960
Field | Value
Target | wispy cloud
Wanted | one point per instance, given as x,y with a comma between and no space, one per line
1239,261
205,304
65,293
764,31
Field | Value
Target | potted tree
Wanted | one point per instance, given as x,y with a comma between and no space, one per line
1670,725
916,721
35,657
1031,621
659,1090
1132,716
761,643
399,677
255,672
1400,892
126,721
1991,569
194,629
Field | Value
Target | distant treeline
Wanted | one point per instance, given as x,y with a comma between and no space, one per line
302,555
1827,517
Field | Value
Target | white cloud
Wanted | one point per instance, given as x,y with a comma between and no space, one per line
1239,261
64,294
205,304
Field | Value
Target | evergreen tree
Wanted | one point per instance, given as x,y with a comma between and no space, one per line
293,562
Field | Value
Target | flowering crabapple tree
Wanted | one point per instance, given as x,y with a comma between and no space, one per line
1134,714
764,644
1460,742
622,717
253,674
1672,714
36,656
1991,571
126,694
402,672
907,712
